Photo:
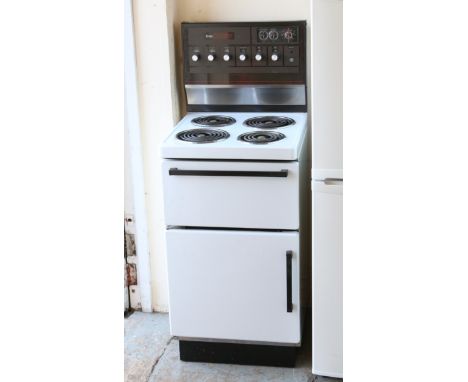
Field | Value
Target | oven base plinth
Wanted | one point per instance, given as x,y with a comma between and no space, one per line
235,353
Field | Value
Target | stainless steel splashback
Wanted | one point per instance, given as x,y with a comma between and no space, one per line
243,95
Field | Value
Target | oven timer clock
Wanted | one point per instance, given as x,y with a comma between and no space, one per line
277,34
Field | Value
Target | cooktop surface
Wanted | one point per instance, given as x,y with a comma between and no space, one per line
242,136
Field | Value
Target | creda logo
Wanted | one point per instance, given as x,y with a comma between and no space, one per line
208,35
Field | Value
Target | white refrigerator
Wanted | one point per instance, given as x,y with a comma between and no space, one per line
327,188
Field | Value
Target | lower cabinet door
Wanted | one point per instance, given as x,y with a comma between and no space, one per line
234,285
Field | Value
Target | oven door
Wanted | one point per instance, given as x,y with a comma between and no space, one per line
234,285
263,195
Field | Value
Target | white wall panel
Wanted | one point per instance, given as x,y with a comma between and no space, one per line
157,114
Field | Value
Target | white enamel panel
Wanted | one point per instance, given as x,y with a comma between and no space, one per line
231,201
327,86
231,148
231,285
327,279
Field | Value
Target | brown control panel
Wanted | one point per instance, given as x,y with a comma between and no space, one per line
239,53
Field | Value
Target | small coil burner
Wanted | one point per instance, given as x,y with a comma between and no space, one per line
213,121
202,135
269,122
261,137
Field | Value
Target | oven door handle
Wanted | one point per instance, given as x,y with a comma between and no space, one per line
265,174
289,304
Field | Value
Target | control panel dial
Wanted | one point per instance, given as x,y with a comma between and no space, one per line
263,35
195,57
211,57
226,57
273,35
258,56
288,35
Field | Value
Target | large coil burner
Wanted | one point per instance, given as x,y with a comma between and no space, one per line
202,135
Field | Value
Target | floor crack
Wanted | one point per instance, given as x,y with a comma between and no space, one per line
158,358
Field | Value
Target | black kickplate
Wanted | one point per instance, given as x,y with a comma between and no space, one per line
240,354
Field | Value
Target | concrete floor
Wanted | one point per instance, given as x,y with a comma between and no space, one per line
152,355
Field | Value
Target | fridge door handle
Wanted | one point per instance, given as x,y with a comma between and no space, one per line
289,304
264,174
333,181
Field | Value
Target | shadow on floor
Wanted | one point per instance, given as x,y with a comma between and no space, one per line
152,355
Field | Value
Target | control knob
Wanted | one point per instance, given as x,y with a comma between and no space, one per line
211,57
195,57
226,57
274,57
258,56
242,57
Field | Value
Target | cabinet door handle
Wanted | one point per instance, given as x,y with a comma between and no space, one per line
265,174
289,304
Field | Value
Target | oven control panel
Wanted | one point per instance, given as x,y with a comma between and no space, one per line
214,50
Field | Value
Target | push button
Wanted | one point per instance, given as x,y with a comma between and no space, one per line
291,56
